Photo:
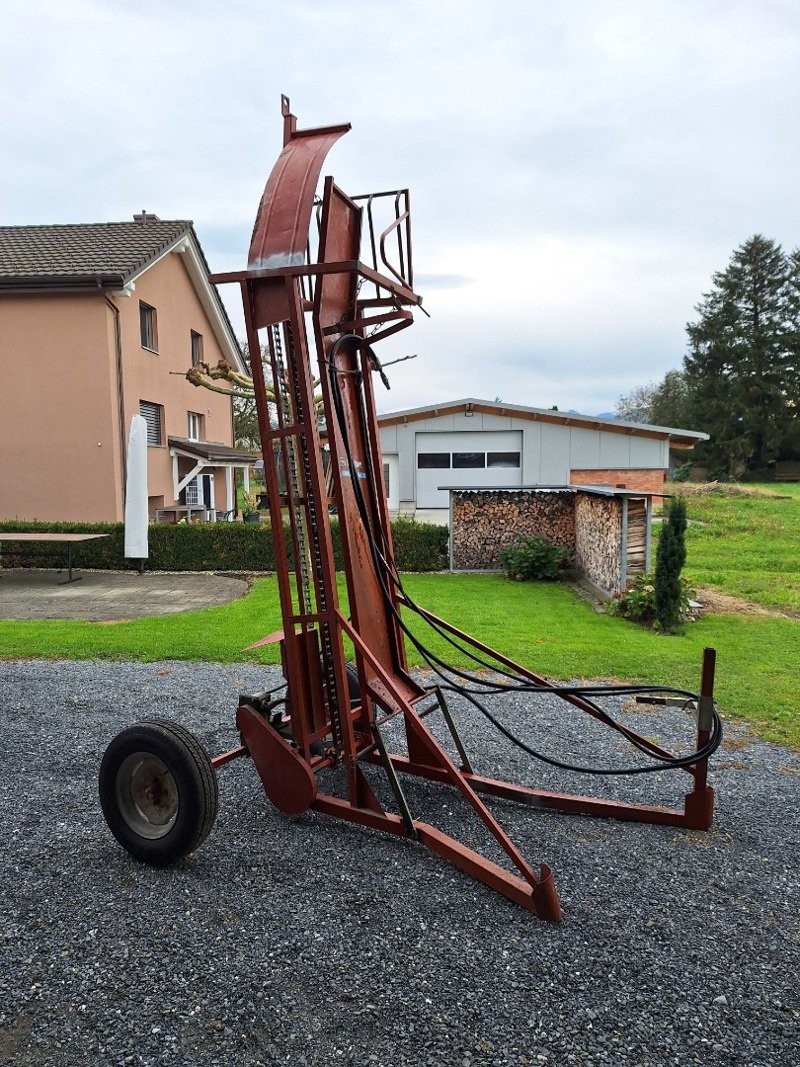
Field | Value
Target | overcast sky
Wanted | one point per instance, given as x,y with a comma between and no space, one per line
578,170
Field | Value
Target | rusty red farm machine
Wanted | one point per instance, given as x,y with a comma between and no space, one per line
332,717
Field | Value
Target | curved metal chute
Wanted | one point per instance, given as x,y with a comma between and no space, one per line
280,234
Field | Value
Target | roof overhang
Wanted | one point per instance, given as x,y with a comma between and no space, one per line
79,283
211,452
197,269
571,487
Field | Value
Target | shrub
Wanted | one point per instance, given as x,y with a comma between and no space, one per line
670,558
208,546
638,603
250,502
419,546
534,558
676,517
667,583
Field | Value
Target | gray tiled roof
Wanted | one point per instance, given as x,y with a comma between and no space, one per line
108,253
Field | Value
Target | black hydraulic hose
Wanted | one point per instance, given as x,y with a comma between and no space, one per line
674,763
382,567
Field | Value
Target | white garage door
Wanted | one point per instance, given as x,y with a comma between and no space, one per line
467,460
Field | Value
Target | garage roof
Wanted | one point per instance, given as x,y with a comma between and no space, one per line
677,438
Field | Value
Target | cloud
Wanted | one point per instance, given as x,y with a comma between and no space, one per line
426,282
577,171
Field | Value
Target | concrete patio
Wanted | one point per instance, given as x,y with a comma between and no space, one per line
100,596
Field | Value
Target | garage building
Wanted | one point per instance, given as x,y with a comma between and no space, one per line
475,444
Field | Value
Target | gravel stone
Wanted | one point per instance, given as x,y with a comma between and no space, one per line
303,940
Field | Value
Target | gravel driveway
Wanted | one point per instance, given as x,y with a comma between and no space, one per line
307,941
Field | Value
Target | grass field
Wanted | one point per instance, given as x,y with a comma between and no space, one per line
747,546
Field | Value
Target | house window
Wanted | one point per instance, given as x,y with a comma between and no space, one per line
147,326
197,348
386,479
433,460
502,459
153,415
195,426
463,460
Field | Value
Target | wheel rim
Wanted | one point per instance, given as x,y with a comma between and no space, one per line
147,795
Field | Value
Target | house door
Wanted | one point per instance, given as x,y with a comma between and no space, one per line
207,489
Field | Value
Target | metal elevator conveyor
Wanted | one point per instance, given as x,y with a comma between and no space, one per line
317,316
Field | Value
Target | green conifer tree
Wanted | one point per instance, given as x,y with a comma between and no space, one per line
741,368
676,517
667,584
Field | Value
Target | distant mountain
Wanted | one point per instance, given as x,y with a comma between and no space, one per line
599,415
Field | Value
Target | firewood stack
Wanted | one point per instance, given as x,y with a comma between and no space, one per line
637,537
589,524
485,522
598,539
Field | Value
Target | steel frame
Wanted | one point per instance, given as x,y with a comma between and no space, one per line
327,726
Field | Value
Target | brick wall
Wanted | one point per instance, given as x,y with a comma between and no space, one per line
648,481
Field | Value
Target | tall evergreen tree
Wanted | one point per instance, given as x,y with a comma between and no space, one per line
790,443
741,366
667,582
676,517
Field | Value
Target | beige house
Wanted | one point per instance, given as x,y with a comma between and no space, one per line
99,323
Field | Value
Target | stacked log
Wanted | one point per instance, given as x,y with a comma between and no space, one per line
637,537
598,539
487,521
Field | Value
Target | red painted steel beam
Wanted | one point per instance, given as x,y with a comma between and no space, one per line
539,898
280,234
227,757
539,798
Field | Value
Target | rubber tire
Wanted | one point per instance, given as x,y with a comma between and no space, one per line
195,779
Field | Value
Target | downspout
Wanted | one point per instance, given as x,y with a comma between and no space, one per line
120,392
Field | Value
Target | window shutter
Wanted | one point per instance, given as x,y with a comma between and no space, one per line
151,413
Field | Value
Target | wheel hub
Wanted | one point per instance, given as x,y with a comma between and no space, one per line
147,795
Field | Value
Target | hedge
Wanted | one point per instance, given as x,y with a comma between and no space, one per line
211,546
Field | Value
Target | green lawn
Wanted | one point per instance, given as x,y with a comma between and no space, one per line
545,627
747,545
552,631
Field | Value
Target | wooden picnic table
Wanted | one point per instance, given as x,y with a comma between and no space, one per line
64,538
